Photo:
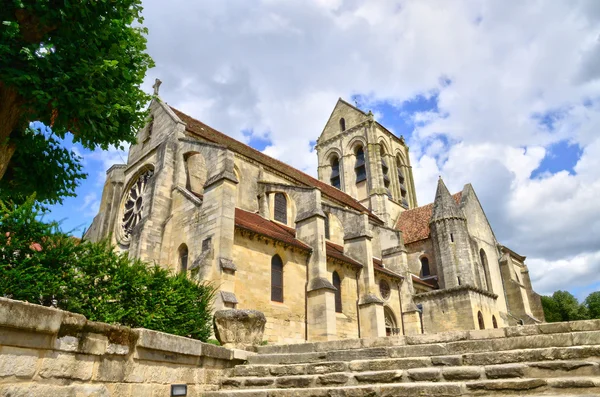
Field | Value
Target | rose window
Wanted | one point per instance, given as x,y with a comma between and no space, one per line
134,204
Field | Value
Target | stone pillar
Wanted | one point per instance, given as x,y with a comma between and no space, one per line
357,245
220,193
320,293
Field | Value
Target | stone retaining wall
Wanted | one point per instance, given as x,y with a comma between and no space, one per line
50,352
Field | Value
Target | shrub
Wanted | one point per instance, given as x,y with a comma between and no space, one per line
41,264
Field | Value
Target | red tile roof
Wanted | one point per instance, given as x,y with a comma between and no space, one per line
337,252
417,280
378,267
257,224
414,224
210,134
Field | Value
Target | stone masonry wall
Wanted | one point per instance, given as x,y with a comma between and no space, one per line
50,352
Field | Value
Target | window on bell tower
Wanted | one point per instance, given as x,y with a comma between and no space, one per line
335,173
359,167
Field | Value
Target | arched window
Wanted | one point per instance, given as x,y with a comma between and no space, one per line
359,167
494,322
342,124
280,208
484,265
384,170
327,232
337,283
480,319
276,279
402,180
335,172
391,327
183,258
425,272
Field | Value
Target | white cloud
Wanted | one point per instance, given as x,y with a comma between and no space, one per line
277,68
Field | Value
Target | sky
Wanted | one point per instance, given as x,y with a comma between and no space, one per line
501,94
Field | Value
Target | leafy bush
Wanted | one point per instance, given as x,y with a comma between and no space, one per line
563,306
41,264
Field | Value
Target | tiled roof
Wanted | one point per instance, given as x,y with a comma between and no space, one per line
417,280
378,267
337,252
414,224
257,224
210,134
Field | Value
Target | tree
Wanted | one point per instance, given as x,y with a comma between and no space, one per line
42,265
563,306
74,66
592,303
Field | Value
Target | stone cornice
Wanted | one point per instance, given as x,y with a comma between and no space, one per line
455,291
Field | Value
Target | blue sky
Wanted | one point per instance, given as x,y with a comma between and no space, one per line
503,95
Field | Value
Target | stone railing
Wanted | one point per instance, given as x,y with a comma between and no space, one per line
50,352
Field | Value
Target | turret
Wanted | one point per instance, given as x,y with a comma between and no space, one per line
450,240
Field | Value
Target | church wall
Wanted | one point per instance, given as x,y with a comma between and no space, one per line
393,302
416,251
456,309
252,256
479,230
351,116
346,321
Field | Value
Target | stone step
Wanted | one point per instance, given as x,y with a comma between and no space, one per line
583,340
443,337
586,353
342,374
495,387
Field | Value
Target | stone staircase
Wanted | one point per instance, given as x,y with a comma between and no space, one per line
559,359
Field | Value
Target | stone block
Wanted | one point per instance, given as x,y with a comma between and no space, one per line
441,337
324,368
415,389
586,338
585,325
424,374
447,360
521,330
505,371
507,385
554,328
294,382
461,373
486,333
27,316
67,366
251,370
333,379
239,327
253,382
379,377
95,344
111,370
18,362
572,383
279,370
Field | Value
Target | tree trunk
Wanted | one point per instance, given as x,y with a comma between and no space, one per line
10,115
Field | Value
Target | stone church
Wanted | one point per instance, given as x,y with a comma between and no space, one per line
348,255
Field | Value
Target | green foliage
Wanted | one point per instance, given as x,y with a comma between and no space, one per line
592,303
41,165
40,264
563,306
75,66
214,342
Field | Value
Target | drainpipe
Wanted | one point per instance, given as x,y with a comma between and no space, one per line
400,302
357,298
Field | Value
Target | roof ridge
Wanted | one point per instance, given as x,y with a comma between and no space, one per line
313,181
352,106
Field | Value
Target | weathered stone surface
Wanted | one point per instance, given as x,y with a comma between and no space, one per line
279,370
424,374
505,371
293,382
18,362
69,366
572,383
239,327
461,373
251,370
379,377
388,364
326,368
333,379
251,382
521,384
447,360
410,390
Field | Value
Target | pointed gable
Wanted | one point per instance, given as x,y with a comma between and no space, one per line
344,116
444,206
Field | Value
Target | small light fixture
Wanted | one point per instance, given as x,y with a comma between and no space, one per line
178,390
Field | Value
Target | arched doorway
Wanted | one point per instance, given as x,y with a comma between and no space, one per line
480,319
391,326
